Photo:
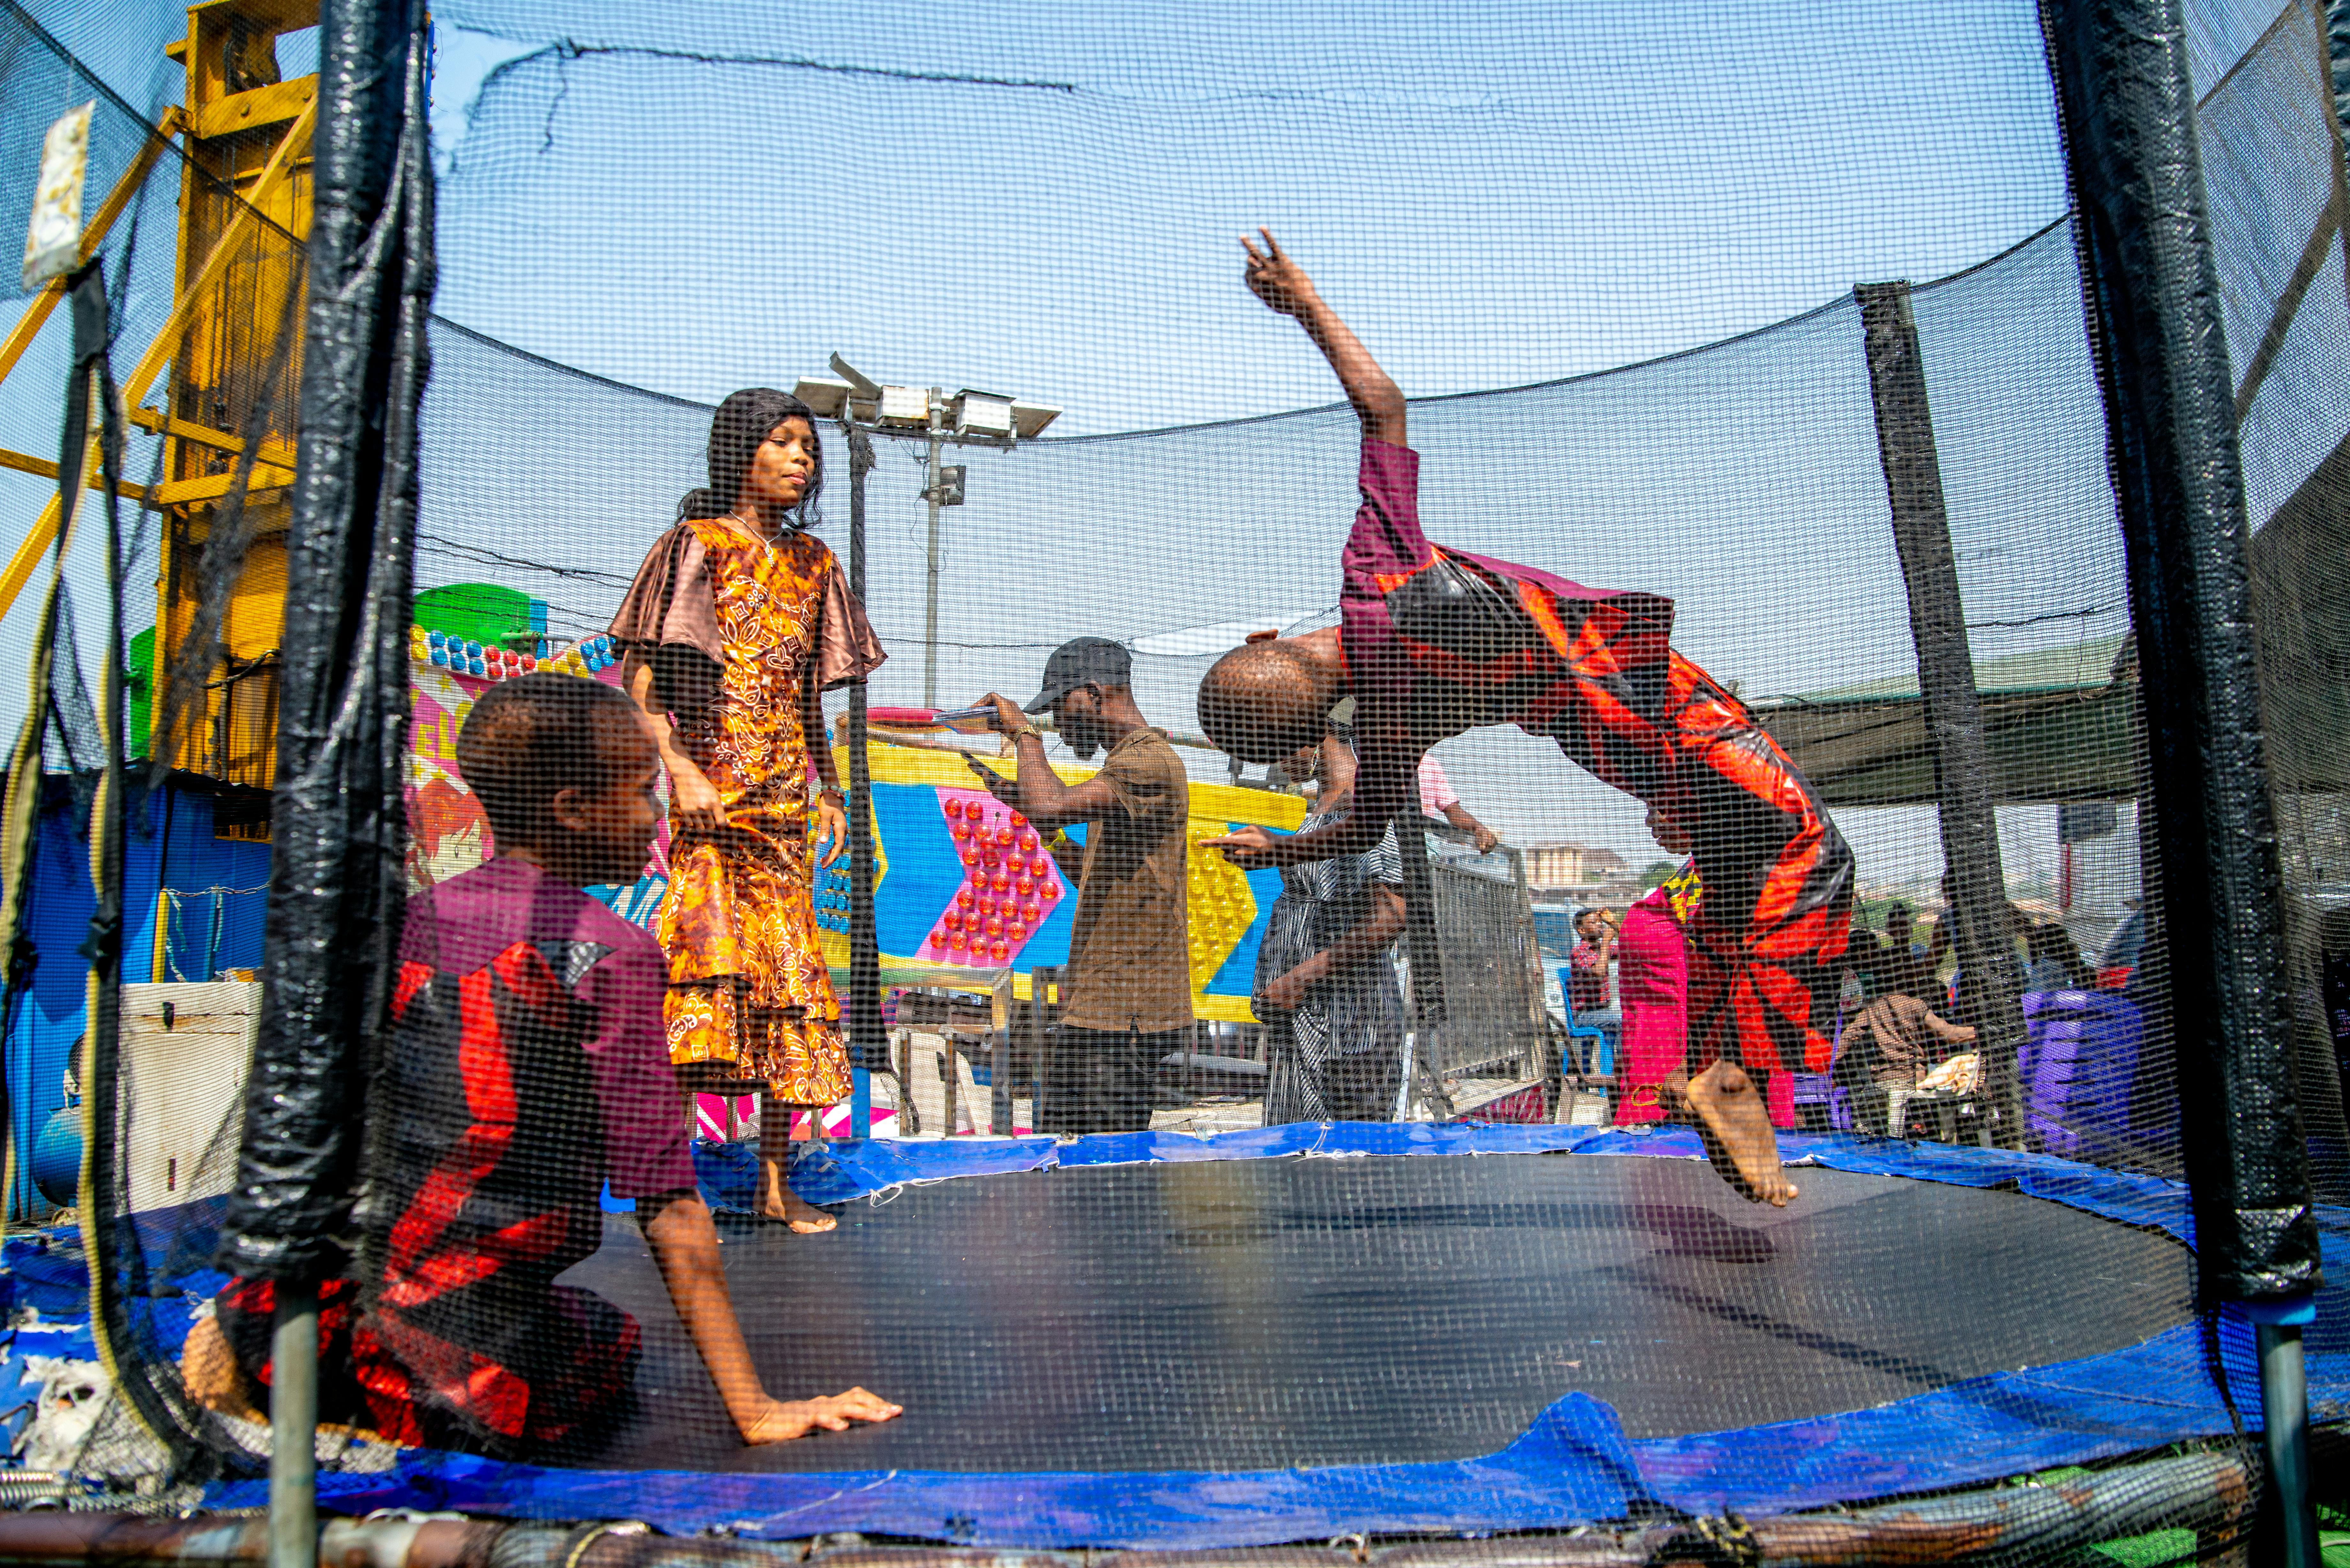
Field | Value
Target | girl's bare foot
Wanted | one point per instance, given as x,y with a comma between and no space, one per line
778,1201
776,1198
1735,1128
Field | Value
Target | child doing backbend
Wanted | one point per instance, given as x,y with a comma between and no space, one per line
1432,641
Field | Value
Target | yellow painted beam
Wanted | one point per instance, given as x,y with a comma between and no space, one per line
25,463
261,106
167,341
276,451
93,234
44,532
213,486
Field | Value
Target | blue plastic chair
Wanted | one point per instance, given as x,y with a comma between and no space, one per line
1602,1059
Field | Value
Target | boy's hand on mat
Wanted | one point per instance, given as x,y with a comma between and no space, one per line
781,1420
1275,278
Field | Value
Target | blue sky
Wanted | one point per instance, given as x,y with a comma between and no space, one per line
1045,199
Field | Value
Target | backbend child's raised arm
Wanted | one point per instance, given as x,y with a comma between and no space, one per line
1386,536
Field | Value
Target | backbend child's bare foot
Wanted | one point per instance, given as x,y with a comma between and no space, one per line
778,1201
1735,1128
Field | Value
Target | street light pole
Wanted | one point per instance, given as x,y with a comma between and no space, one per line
866,1041
930,601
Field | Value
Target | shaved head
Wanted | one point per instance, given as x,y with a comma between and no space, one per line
1265,700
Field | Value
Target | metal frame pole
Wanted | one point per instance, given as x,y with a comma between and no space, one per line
293,1427
866,1045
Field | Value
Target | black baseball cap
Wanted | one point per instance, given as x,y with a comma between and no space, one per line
1082,661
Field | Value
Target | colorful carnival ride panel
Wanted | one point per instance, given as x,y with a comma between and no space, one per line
952,863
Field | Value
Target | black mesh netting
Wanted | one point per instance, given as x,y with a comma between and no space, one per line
1793,791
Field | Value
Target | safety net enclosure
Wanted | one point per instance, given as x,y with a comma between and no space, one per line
754,797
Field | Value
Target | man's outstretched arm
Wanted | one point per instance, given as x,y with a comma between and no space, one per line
685,1246
1283,284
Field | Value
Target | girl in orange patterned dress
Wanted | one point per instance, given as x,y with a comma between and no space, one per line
738,622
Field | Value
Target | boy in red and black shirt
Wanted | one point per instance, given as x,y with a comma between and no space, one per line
528,1069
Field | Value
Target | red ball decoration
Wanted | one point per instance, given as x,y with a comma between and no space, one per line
1001,882
1050,889
963,898
956,942
999,950
971,856
1024,886
954,807
1004,836
939,937
996,925
1040,866
1028,838
951,920
1018,820
1033,911
1016,931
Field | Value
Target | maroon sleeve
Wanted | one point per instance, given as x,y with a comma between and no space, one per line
672,599
1384,547
645,1148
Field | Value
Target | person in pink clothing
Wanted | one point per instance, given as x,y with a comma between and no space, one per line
1652,994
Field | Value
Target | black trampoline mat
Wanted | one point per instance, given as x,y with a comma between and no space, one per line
1261,1313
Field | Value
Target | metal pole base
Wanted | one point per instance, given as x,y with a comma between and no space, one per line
294,1429
2284,1433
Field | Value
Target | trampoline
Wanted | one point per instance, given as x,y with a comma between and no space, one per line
1160,1340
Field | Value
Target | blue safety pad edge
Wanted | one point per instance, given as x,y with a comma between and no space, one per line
2139,1397
1571,1466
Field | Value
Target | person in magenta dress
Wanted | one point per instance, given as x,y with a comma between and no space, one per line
1434,642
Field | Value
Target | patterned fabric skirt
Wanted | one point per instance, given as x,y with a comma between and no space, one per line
750,997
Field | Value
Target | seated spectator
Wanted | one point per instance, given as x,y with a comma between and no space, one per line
2054,962
1893,1041
1590,992
527,1070
1902,969
1325,979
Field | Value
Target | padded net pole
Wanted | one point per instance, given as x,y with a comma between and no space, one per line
1945,680
2127,111
338,880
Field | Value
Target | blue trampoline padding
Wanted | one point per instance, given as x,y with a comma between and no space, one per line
1572,1466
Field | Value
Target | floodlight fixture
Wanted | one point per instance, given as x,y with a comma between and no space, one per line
983,414
1029,419
825,397
905,406
865,386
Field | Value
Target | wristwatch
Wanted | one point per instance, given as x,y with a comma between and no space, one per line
1024,729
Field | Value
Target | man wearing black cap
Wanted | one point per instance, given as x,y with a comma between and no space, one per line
1126,991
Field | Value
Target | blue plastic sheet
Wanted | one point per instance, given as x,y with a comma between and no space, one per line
1572,1466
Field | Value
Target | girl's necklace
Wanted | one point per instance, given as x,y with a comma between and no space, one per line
753,530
